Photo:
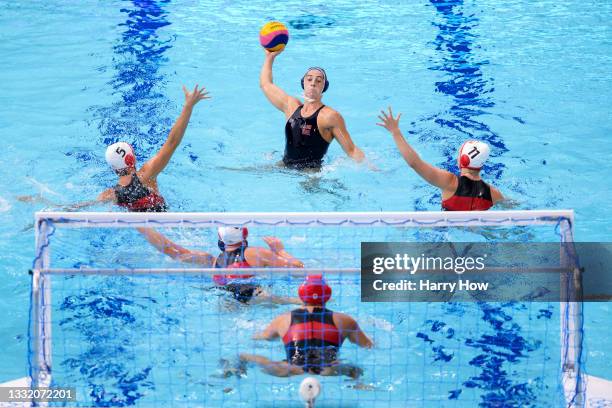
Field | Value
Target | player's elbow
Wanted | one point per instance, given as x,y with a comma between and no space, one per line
174,139
497,196
415,163
264,84
176,255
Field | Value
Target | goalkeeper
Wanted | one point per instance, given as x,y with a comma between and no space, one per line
312,336
235,254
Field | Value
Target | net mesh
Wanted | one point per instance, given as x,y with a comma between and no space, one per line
164,334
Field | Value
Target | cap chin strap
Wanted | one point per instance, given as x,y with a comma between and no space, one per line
123,172
307,99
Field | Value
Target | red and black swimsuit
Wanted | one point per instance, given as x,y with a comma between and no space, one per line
471,195
233,259
313,340
237,284
136,197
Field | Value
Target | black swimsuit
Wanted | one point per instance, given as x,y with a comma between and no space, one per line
137,197
304,146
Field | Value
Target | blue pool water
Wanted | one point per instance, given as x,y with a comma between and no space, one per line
531,79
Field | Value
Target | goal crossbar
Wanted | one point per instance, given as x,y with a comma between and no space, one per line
404,219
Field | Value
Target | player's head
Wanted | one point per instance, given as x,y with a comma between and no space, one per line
473,154
315,291
120,156
231,236
314,83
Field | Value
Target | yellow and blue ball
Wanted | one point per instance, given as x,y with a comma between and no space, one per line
274,36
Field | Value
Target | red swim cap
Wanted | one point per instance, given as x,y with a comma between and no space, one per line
314,290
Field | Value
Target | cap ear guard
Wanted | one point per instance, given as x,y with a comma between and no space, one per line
221,245
324,76
324,87
130,160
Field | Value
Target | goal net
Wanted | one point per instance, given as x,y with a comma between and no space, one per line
128,309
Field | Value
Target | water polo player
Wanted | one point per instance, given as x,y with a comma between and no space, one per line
235,254
137,190
311,126
467,192
312,336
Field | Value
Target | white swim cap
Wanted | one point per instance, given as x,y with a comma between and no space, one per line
473,154
120,155
232,235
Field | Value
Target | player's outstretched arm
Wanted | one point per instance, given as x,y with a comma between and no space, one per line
157,163
277,97
433,175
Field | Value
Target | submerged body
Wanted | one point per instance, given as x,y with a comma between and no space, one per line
235,254
312,336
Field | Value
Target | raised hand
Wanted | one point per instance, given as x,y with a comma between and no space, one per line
191,98
272,54
388,121
274,243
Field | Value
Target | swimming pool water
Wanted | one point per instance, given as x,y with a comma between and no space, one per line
529,78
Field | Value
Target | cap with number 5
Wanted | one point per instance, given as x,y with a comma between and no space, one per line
120,155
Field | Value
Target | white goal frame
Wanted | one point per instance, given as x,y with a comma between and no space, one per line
40,330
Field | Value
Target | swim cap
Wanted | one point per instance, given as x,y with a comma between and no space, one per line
321,70
473,154
120,155
232,235
315,291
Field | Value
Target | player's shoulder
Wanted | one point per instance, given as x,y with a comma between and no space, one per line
257,251
292,104
330,115
344,318
282,318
